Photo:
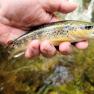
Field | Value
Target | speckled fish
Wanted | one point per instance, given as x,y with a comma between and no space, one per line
56,32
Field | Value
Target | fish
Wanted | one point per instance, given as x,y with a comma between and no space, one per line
56,33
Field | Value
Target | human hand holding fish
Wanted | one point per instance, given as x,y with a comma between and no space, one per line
17,15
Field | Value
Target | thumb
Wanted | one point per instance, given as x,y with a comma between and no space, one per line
63,6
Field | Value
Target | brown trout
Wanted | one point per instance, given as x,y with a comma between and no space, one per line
55,33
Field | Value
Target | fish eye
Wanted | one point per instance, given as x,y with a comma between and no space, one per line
88,27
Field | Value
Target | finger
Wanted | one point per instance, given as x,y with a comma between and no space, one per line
62,6
65,48
32,49
82,45
47,49
48,18
54,19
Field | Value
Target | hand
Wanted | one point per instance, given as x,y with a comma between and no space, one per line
17,15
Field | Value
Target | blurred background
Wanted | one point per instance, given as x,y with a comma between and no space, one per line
72,74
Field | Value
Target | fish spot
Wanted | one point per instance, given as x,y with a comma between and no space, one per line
88,27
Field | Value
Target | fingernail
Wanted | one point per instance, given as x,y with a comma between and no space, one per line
65,48
47,49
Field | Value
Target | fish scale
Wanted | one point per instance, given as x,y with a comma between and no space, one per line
55,33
